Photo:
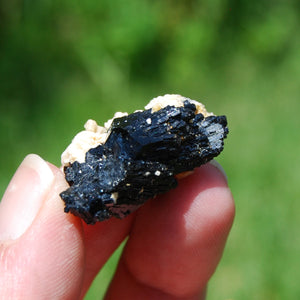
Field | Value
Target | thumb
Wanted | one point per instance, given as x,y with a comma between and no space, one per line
41,248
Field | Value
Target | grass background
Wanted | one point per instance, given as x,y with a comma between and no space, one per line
62,62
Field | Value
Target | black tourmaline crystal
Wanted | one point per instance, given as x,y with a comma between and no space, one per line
142,155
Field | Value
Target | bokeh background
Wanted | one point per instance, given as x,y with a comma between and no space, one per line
63,62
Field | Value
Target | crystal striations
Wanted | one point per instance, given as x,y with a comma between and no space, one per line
140,158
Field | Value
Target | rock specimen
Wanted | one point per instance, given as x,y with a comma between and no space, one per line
112,170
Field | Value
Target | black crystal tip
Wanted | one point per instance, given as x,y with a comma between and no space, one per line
140,158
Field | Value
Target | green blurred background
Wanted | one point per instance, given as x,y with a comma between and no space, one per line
62,62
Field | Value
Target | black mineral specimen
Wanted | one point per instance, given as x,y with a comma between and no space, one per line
142,155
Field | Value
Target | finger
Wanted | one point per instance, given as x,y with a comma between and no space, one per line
101,240
177,240
43,251
41,247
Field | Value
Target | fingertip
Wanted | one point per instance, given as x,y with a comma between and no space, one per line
47,259
219,167
221,200
212,204
24,197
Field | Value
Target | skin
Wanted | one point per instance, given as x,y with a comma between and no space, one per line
175,241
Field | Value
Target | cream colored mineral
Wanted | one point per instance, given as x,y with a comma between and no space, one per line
177,101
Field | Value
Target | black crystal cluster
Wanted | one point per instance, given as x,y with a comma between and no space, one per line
140,158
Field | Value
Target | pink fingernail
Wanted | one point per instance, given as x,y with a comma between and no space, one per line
24,196
219,167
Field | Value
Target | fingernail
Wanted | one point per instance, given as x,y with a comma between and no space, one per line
219,167
24,196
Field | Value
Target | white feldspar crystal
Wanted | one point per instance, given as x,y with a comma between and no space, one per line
91,137
175,100
118,114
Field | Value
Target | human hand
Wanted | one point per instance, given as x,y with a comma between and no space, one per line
175,240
